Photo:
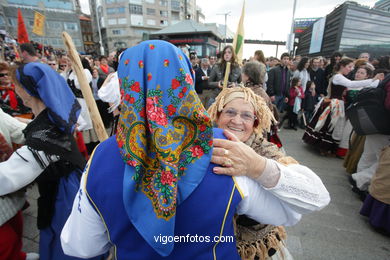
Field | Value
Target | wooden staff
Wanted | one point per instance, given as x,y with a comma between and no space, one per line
2,51
18,56
85,88
227,72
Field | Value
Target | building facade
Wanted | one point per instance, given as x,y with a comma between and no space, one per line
124,23
203,39
87,34
60,15
351,29
383,5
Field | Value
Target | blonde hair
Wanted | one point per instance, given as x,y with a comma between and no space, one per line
263,114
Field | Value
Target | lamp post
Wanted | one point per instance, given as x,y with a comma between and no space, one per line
100,33
291,35
225,14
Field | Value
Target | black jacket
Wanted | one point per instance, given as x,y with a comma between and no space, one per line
200,84
274,83
319,79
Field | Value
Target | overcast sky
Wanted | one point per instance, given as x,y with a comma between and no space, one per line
264,19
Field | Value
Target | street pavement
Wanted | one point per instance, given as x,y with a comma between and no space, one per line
336,232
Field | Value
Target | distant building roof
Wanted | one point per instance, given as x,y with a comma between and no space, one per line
188,26
84,18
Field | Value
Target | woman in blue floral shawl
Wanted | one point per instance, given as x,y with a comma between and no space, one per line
150,191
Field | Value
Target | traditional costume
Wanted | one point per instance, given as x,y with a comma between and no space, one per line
377,204
150,191
256,240
325,129
49,139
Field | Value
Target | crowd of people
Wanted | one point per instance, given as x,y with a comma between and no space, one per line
155,174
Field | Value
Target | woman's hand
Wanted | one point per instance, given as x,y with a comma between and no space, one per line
236,158
379,76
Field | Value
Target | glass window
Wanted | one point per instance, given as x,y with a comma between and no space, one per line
122,20
120,45
150,11
164,23
2,21
110,10
77,42
151,22
197,49
31,23
149,1
137,20
12,21
115,10
118,32
175,16
112,21
54,41
175,5
54,25
71,26
135,9
164,13
139,2
163,2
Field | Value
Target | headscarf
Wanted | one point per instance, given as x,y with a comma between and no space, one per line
262,112
164,136
41,81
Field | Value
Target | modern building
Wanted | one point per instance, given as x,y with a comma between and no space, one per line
124,23
350,28
204,39
87,34
60,15
383,5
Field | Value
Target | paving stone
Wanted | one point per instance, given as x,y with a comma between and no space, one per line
338,231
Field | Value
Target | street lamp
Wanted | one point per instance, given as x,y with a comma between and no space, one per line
291,35
100,33
225,14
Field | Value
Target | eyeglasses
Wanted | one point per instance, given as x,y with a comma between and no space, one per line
62,65
246,116
3,75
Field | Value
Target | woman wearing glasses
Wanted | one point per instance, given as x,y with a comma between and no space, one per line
246,117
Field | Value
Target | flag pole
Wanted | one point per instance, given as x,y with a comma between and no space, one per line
238,42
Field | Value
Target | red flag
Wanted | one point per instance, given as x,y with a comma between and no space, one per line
22,32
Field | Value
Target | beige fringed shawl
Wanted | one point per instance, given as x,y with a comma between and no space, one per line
258,239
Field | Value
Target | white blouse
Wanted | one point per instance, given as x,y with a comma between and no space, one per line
11,128
21,169
298,190
339,79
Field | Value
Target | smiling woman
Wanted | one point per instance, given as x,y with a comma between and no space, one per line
246,116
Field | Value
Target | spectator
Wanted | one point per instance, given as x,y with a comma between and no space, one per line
329,70
104,69
278,83
259,56
317,75
310,100
218,73
302,72
365,56
28,53
52,63
202,81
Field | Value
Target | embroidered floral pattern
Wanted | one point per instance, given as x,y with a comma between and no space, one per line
162,129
